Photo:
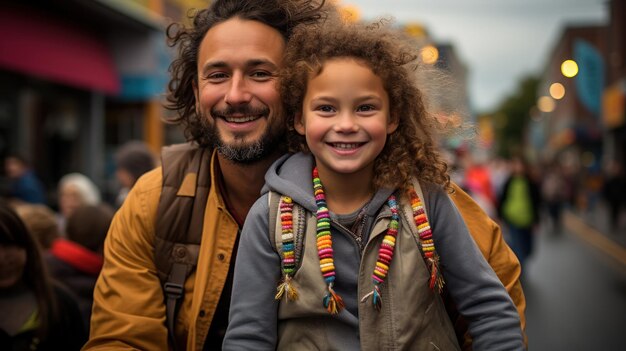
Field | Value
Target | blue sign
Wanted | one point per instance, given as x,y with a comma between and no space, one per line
590,78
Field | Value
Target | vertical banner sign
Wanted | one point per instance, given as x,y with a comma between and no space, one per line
590,78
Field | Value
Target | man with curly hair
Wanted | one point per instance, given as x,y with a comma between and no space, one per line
224,91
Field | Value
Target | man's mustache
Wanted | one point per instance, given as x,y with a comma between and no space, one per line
246,110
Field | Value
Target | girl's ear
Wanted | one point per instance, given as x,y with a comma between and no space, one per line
392,125
298,123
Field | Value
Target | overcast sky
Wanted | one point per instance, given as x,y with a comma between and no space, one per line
500,41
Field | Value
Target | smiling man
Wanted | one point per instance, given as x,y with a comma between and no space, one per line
224,90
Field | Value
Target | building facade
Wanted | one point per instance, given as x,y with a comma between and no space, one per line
79,78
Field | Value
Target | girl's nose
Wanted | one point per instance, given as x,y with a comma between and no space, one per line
346,123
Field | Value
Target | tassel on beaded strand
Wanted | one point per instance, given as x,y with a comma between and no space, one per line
289,258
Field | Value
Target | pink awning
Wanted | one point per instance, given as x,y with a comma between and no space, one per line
48,48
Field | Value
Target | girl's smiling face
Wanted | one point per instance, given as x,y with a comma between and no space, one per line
345,117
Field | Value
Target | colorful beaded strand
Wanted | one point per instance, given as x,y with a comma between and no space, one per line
332,301
426,241
289,257
385,254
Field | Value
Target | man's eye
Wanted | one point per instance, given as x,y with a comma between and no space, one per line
261,75
217,76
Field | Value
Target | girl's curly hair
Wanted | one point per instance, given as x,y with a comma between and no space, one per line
282,15
410,151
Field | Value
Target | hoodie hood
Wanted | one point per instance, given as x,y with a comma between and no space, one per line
291,175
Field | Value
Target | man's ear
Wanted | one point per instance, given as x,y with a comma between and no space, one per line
298,123
392,125
194,85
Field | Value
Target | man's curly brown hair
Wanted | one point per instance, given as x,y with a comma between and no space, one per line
282,15
410,151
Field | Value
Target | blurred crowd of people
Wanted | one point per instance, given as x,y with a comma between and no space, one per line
520,195
51,251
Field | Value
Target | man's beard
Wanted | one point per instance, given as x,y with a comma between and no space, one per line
239,151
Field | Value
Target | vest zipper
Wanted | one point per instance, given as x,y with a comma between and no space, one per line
358,240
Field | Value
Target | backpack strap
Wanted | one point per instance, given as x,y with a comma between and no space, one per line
179,221
416,215
273,202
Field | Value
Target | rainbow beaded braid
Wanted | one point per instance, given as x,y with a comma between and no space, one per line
426,241
385,254
289,259
332,301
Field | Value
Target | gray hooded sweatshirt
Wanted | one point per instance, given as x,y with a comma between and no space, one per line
254,313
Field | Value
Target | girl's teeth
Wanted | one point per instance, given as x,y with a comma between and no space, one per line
346,146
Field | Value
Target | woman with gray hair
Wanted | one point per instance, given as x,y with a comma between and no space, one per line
75,190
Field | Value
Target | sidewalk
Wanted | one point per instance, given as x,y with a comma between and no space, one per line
594,227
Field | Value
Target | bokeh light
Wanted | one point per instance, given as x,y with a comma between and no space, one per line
350,13
557,91
415,30
429,54
569,68
546,104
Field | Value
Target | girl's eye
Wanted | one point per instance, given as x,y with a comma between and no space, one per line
366,108
325,108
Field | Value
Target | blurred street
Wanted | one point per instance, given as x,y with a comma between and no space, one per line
575,287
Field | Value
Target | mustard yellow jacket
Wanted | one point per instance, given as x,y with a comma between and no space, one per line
128,310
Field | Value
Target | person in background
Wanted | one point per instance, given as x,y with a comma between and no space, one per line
37,314
518,207
41,221
77,260
75,190
614,191
132,160
24,185
553,194
477,181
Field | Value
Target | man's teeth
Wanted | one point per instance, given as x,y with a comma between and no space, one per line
346,146
241,119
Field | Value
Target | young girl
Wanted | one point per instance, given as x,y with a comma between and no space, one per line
37,314
368,272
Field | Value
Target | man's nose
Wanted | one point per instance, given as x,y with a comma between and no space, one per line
238,92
